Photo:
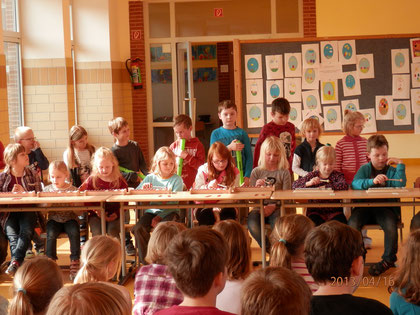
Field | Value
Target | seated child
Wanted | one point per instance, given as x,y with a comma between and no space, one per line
90,298
273,169
405,298
62,221
154,287
105,175
193,154
197,259
287,243
101,259
229,134
218,172
238,264
304,157
379,173
162,175
18,226
324,176
34,285
275,290
334,256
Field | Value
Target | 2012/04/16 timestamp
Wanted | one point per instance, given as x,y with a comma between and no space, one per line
362,281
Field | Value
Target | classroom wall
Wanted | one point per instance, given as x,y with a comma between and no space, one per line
374,17
4,115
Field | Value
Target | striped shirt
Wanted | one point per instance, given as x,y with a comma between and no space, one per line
351,154
299,266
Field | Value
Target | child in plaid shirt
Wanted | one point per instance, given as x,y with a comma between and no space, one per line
154,287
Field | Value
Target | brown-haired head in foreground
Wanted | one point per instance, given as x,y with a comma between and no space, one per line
407,276
239,249
10,154
226,105
194,258
90,298
376,142
280,105
159,240
287,238
183,120
275,290
34,285
330,250
116,124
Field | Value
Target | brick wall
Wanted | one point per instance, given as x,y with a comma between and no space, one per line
225,79
309,18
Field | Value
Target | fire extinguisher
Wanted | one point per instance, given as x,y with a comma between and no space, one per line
134,71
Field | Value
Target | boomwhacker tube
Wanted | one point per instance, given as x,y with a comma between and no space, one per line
240,164
126,170
181,161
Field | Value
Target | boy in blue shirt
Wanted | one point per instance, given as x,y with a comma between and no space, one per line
229,133
377,173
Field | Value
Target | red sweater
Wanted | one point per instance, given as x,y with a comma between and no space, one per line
351,153
196,157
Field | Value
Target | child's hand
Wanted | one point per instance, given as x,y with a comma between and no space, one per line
111,217
212,184
147,186
392,160
260,183
155,221
269,209
246,181
183,154
314,181
216,213
235,146
18,188
380,179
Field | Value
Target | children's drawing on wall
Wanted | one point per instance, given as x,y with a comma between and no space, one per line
332,117
311,100
415,75
253,67
293,65
274,89
329,53
415,100
310,80
203,52
255,115
329,93
383,106
401,86
295,115
157,55
370,121
347,52
268,114
310,56
274,67
254,91
293,89
351,83
402,113
400,61
308,113
352,105
417,123
365,66
161,75
415,49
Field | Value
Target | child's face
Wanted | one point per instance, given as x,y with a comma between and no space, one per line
219,163
27,139
378,157
22,160
105,167
272,159
80,144
279,119
58,178
228,117
182,132
311,134
325,168
166,168
123,135
357,128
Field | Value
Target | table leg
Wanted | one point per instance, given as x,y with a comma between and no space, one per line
122,240
263,245
282,208
103,222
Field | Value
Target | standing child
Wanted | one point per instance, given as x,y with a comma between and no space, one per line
304,157
18,226
238,264
279,127
193,153
162,175
324,176
273,169
62,221
105,175
287,244
219,171
154,287
229,134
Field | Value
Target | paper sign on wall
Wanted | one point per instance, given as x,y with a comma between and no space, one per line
400,61
253,67
402,113
293,65
255,115
347,52
274,67
351,83
310,56
332,117
274,89
370,121
254,91
292,89
311,101
295,116
352,105
365,66
329,52
383,106
329,94
310,79
401,86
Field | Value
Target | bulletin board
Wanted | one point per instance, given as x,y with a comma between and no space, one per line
393,73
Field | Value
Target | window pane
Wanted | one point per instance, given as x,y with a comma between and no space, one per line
8,14
159,20
11,51
287,16
162,136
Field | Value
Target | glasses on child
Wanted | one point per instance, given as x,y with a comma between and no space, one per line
219,162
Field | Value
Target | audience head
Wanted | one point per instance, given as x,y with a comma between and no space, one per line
227,114
164,161
415,223
273,149
353,123
159,240
226,104
34,285
280,110
58,174
288,238
105,164
238,248
334,250
11,154
311,129
115,125
100,259
196,258
78,139
325,160
25,136
377,147
183,126
219,159
90,298
275,290
376,142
